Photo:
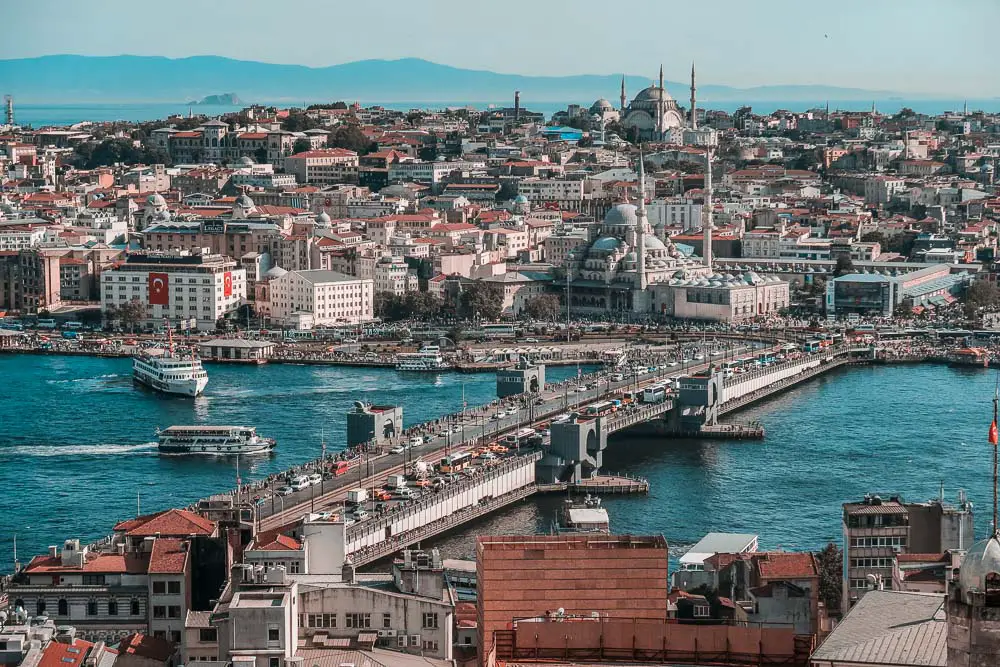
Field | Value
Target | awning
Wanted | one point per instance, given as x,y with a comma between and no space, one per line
917,310
938,300
949,299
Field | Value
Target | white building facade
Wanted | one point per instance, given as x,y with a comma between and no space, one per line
175,287
307,299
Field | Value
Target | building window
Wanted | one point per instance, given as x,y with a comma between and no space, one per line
135,608
273,634
174,587
359,621
62,608
208,635
386,621
430,645
93,580
91,607
701,611
159,587
274,662
430,621
112,607
322,621
175,636
159,611
173,611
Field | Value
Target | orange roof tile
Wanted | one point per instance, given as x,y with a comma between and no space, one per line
169,556
95,563
169,523
57,654
786,565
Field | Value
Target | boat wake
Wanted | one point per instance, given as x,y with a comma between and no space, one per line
46,451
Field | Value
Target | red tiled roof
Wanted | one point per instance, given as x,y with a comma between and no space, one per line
185,135
268,209
169,523
921,558
326,152
57,654
95,563
276,541
145,646
253,135
786,565
169,556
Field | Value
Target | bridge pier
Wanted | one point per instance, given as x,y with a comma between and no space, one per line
576,451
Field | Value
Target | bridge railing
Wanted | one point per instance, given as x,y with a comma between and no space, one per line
380,522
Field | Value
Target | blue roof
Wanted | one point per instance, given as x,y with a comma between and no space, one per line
863,278
606,243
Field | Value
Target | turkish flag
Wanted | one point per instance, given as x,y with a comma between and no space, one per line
159,294
993,434
227,284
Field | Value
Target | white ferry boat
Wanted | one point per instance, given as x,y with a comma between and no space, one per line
169,373
219,440
427,359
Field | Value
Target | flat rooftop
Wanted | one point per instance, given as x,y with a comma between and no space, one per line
720,543
503,542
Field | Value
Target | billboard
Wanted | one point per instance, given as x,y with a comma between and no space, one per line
213,227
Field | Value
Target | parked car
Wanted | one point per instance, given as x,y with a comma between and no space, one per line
285,491
398,449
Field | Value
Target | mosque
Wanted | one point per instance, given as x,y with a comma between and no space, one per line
631,268
652,114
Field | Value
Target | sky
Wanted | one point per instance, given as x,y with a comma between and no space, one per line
921,46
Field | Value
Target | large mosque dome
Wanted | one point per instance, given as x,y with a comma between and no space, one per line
981,561
653,94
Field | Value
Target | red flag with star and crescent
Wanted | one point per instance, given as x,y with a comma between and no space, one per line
227,284
993,433
159,294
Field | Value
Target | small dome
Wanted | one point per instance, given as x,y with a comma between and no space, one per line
650,242
981,560
520,199
607,243
601,106
156,199
275,272
323,218
247,161
162,216
621,214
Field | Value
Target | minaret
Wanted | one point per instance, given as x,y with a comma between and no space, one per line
873,108
623,97
694,106
708,224
965,108
659,108
640,223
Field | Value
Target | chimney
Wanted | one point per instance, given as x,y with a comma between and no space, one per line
53,550
517,105
347,572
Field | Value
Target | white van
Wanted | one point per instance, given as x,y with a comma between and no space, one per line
299,483
415,441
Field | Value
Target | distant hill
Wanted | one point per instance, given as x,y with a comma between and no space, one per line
75,79
225,99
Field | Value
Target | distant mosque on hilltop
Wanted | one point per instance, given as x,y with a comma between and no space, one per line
653,112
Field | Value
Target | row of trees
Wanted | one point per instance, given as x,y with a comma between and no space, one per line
111,151
478,300
130,314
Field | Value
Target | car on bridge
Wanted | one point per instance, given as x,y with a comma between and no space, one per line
285,491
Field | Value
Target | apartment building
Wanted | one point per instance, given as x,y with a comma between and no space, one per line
307,299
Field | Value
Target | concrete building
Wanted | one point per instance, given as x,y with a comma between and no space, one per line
307,299
30,279
876,531
578,575
695,568
881,295
176,286
324,166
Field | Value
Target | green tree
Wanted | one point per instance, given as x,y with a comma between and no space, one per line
132,313
483,300
844,266
543,307
981,295
301,146
352,138
830,562
299,122
260,155
422,305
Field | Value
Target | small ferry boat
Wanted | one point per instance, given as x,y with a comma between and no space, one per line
169,373
969,356
217,440
427,359
585,516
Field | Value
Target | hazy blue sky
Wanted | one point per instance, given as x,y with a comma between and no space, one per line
934,46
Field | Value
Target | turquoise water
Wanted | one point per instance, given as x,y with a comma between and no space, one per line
39,115
76,447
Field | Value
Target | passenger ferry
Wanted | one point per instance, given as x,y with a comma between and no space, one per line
427,359
218,440
586,516
169,373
